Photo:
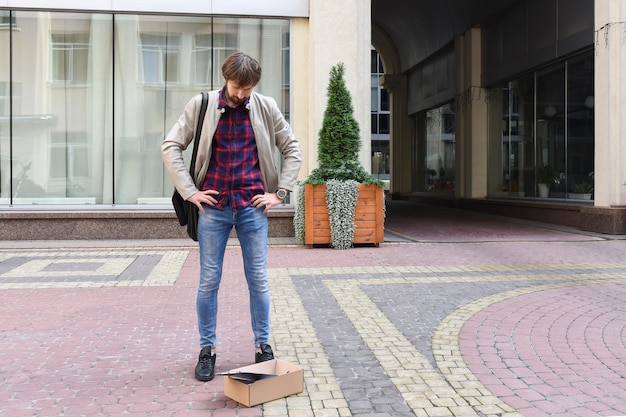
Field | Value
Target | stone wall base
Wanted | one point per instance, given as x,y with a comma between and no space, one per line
112,224
609,220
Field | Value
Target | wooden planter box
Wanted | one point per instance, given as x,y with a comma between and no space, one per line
368,216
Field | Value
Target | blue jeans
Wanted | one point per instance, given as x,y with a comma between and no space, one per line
214,227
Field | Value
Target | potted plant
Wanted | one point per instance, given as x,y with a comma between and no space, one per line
581,190
545,179
339,204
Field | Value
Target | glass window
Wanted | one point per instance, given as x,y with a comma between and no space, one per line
380,120
517,138
380,159
374,62
440,157
384,100
75,151
70,57
5,18
74,74
546,128
580,128
61,128
383,124
551,136
225,42
385,104
5,112
202,58
374,94
178,58
286,77
374,123
159,57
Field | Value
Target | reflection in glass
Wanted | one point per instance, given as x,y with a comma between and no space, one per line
380,120
174,58
5,109
546,134
92,96
551,136
517,137
59,137
580,128
440,157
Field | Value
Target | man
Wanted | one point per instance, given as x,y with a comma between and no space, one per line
235,183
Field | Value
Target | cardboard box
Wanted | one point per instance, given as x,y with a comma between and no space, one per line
272,380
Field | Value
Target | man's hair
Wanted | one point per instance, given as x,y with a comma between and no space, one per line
242,69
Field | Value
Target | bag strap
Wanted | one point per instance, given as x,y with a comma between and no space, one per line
205,101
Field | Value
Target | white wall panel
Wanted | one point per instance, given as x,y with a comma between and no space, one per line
287,8
167,6
61,4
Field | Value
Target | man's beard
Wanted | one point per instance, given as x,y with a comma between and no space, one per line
234,100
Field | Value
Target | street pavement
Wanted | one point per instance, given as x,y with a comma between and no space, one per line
455,314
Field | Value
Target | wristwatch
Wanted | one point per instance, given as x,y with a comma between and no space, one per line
282,193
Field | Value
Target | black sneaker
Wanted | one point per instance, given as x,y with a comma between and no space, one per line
205,369
265,354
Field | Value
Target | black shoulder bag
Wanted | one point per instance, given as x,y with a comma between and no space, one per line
186,211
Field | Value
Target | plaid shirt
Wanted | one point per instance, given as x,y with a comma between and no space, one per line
234,165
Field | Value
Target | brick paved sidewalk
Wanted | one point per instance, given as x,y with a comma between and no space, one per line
465,316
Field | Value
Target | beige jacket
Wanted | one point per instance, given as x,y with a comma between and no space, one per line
271,131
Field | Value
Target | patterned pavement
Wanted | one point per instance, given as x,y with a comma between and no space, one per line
456,314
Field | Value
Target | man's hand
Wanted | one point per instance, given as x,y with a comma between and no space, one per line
204,197
268,200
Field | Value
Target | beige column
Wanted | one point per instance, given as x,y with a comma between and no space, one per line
300,75
401,137
610,103
471,118
402,153
338,31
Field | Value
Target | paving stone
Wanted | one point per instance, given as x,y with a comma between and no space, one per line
499,319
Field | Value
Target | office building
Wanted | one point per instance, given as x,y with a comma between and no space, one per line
507,107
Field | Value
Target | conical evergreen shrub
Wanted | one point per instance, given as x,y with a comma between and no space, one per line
339,138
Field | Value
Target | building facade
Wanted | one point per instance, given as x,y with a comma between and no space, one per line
481,109
89,91
509,107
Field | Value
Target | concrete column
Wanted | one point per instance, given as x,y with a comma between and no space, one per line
402,153
300,94
610,103
339,31
471,118
401,137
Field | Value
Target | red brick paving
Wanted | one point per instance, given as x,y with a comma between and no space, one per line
131,350
118,351
559,352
